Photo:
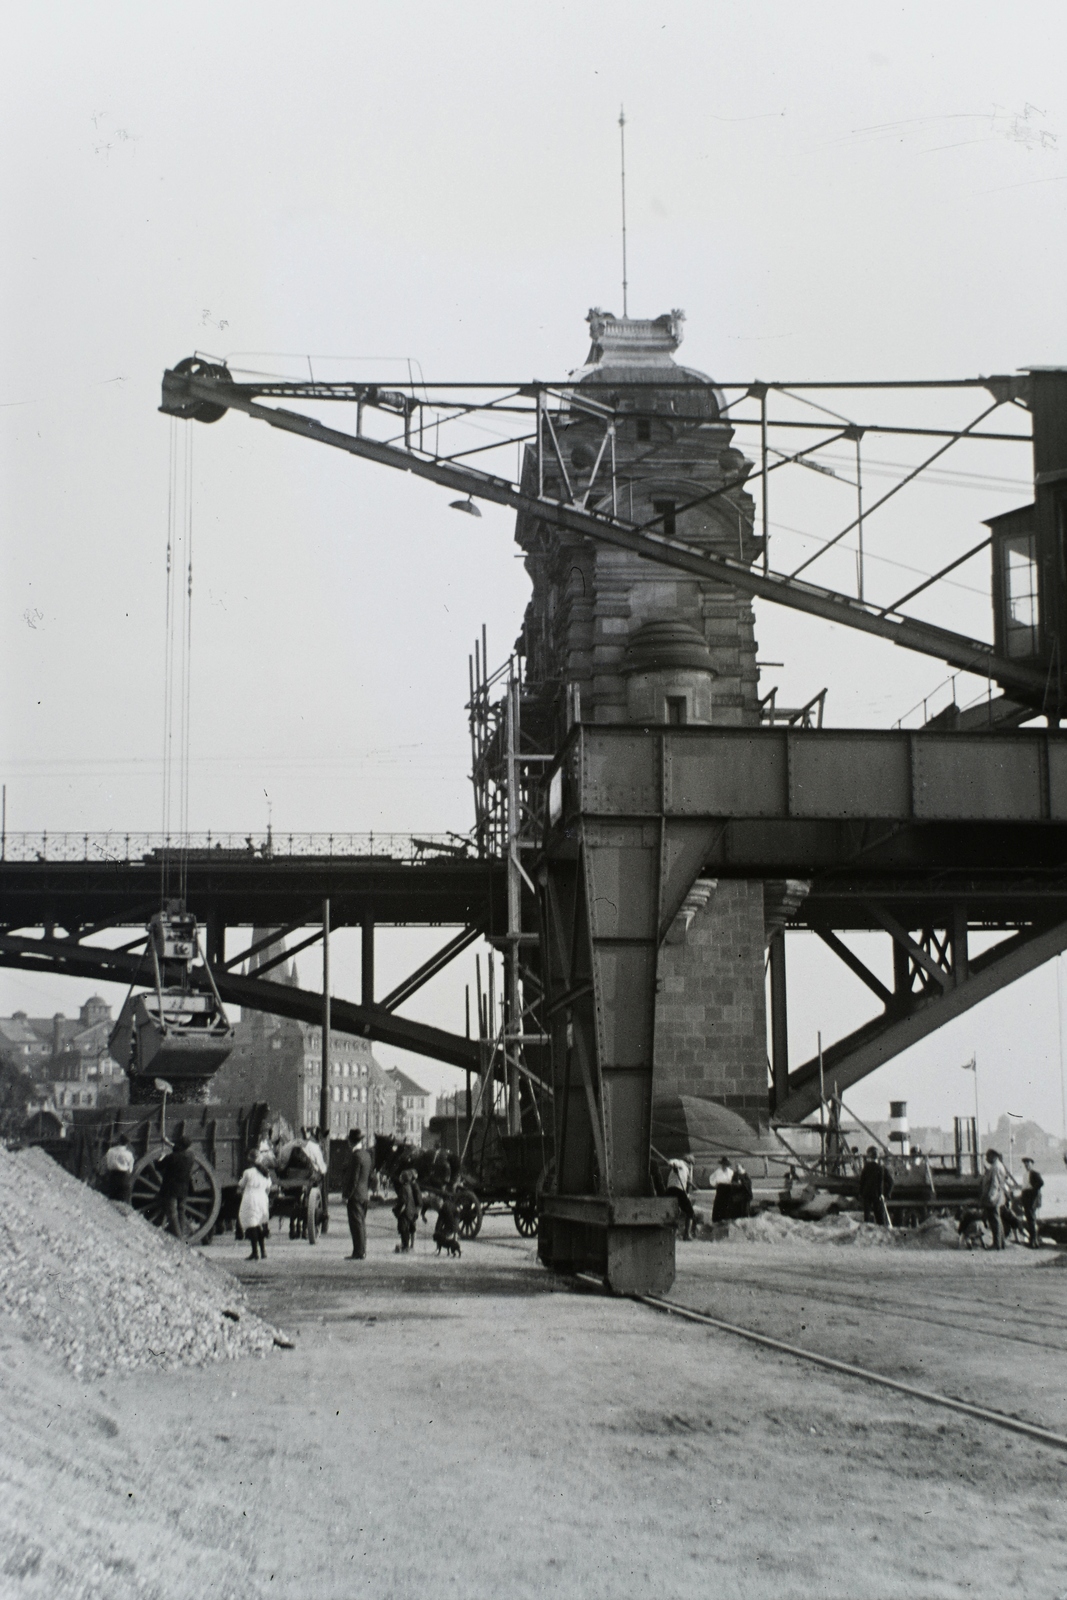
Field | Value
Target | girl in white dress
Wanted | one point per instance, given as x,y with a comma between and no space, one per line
254,1215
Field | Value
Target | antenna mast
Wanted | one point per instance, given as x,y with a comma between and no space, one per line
622,160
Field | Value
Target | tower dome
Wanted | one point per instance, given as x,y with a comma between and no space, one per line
631,351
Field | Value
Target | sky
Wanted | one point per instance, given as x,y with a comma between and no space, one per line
828,190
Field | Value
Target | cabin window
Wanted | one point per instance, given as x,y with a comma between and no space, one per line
1019,571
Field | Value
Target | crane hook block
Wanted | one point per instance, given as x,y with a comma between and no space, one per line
179,397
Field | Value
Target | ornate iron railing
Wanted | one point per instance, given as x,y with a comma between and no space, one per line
150,848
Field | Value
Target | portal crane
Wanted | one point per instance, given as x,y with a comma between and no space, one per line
1028,554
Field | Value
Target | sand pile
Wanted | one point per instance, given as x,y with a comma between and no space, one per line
773,1227
104,1290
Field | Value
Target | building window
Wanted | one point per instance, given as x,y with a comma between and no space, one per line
666,510
644,430
677,710
336,1092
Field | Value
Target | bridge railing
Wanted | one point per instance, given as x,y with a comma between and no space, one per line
153,848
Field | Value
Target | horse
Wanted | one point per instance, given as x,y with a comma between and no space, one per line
436,1170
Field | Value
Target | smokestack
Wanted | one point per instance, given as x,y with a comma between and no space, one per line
898,1125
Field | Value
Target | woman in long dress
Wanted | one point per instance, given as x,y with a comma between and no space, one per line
254,1214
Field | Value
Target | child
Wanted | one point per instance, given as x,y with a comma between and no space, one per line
444,1235
254,1215
406,1210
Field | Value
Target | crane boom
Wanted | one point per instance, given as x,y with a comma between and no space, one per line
199,391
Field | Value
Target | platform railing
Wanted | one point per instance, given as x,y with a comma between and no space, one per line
150,848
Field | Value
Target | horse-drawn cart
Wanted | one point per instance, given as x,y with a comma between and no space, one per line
298,1192
220,1137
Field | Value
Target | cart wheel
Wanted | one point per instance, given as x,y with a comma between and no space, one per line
468,1214
201,1208
525,1214
314,1214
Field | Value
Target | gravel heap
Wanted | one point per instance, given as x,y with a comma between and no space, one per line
103,1289
773,1227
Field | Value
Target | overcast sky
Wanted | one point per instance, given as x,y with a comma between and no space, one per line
828,190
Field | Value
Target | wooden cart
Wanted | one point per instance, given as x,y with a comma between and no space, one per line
506,1172
220,1137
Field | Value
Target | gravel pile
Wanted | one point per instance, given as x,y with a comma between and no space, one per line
104,1290
773,1227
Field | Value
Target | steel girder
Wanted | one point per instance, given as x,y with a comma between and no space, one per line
609,893
935,981
66,957
264,893
635,815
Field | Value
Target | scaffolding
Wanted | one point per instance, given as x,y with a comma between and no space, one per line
505,774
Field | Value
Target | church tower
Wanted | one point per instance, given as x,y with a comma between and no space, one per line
610,637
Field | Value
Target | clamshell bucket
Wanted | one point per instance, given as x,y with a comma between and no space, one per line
175,1032
172,1035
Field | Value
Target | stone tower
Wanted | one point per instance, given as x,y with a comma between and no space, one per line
613,638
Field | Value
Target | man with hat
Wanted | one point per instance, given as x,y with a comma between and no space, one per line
355,1192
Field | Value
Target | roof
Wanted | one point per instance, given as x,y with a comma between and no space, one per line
16,1031
405,1084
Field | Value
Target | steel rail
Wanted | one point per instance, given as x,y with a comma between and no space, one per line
969,655
999,1419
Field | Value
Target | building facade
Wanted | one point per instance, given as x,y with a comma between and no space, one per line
280,1061
67,1057
412,1106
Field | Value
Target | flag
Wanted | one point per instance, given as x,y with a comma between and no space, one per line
971,1065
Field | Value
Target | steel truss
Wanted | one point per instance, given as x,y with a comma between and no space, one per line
635,816
200,389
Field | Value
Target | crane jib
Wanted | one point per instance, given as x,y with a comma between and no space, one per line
199,391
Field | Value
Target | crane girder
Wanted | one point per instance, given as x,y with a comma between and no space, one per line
199,395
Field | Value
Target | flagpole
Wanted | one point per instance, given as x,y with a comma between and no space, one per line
977,1120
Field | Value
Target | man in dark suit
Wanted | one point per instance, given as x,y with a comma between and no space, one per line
176,1182
356,1192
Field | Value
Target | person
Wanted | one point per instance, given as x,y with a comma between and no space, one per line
872,1188
679,1182
1031,1200
118,1169
313,1151
741,1192
355,1192
406,1210
444,1234
721,1179
254,1213
176,1175
992,1194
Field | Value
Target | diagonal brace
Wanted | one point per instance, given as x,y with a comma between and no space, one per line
429,969
853,962
902,937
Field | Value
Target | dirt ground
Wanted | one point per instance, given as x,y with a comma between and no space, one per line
476,1428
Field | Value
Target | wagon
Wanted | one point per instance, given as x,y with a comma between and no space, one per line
506,1173
220,1137
299,1193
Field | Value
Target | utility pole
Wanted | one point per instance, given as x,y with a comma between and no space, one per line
324,1088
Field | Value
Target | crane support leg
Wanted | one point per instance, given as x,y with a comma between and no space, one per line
610,890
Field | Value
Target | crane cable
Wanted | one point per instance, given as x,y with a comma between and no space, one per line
177,659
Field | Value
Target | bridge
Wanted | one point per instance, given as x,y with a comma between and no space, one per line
76,886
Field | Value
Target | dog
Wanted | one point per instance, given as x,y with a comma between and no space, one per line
971,1230
451,1245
